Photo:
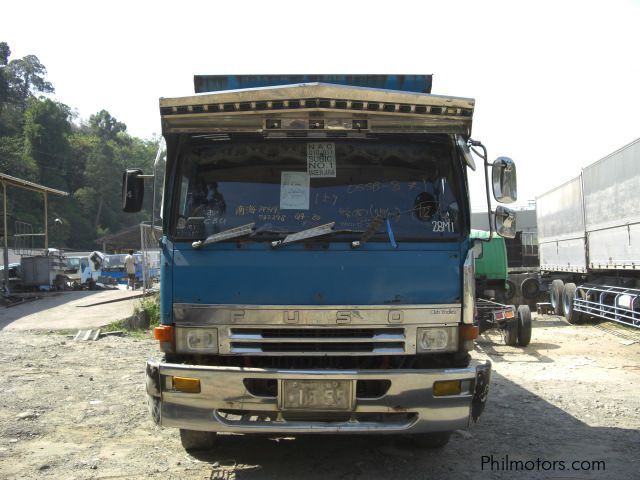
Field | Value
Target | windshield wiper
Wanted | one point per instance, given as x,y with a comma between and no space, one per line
235,232
372,229
268,229
318,231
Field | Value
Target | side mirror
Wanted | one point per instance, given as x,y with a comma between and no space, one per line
505,189
505,222
132,190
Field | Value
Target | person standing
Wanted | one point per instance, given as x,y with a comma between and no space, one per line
130,267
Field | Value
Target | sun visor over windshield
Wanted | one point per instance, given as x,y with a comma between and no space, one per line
318,107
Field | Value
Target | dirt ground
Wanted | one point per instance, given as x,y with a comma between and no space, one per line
70,310
77,410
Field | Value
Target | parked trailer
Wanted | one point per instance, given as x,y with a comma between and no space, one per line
589,240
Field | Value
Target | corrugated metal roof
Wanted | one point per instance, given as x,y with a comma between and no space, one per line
18,182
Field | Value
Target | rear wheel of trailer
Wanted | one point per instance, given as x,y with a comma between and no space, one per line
568,295
557,288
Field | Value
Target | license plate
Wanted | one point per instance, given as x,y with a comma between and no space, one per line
317,395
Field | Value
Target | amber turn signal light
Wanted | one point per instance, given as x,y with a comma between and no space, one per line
469,332
186,384
447,388
163,333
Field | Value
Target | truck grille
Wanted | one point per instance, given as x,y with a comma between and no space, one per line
317,341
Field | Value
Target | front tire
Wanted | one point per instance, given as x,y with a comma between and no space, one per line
431,440
524,325
196,440
511,332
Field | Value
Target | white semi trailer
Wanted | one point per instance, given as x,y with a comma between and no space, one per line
589,240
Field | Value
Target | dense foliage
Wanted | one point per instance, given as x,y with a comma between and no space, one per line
41,140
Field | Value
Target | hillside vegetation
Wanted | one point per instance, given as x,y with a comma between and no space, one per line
43,141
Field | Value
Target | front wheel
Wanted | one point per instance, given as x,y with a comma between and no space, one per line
510,331
431,440
196,440
524,325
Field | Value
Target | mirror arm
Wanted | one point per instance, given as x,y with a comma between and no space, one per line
484,156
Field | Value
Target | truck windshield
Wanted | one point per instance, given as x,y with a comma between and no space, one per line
113,262
288,185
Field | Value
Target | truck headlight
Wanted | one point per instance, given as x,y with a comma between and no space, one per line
196,340
437,339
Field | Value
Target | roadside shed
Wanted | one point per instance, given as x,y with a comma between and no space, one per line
137,237
8,180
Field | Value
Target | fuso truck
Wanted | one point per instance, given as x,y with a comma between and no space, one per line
589,240
317,268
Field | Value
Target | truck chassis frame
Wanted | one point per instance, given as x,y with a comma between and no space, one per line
514,324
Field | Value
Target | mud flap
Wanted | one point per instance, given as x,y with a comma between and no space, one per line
152,383
481,392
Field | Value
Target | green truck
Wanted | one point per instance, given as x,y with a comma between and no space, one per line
492,269
494,291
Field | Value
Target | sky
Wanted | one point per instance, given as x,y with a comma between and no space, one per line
556,83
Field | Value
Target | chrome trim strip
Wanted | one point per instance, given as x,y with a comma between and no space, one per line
230,343
468,288
315,427
316,315
260,339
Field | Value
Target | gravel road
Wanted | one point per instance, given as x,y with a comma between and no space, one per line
77,410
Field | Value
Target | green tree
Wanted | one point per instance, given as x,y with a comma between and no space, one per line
108,152
106,127
20,79
5,51
45,132
13,162
39,142
6,97
27,77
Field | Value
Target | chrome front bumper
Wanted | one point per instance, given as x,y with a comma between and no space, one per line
225,405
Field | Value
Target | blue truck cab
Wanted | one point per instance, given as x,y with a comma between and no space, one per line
316,270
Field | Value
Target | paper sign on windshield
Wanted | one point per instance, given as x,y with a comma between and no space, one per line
294,191
321,160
